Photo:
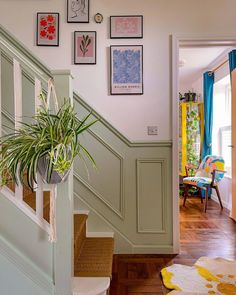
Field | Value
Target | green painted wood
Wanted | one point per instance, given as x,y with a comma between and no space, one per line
63,248
27,277
130,179
26,236
14,281
14,47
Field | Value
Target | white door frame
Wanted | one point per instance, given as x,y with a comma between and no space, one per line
177,41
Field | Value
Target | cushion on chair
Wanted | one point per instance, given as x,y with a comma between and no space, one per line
203,176
197,181
210,163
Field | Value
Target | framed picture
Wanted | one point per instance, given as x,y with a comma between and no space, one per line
126,26
85,47
47,29
77,11
126,69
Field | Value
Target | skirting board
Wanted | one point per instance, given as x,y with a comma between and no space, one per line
26,266
225,204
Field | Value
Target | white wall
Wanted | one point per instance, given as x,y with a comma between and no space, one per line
162,18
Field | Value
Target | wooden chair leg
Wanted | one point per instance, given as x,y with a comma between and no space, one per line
200,192
206,199
218,195
185,194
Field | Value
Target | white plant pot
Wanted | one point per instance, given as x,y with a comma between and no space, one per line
56,177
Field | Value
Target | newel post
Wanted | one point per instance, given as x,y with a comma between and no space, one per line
63,248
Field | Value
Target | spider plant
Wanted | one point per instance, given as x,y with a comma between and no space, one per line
54,137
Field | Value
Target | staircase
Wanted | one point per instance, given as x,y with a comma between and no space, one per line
92,255
92,260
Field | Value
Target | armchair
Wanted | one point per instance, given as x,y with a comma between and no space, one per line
208,175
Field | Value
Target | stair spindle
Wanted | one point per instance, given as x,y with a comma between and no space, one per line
17,74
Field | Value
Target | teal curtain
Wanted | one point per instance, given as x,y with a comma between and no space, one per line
208,84
232,60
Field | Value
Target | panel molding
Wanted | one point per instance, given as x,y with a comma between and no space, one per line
30,270
110,127
120,213
135,248
161,161
92,189
104,219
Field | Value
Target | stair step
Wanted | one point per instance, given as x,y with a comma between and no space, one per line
88,286
79,233
95,259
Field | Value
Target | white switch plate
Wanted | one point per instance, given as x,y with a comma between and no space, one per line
152,130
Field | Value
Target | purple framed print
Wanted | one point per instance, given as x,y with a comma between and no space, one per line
126,26
77,11
126,73
85,47
47,29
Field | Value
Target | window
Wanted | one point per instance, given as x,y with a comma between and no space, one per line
221,133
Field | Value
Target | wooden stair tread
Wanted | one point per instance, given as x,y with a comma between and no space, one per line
95,259
79,233
79,223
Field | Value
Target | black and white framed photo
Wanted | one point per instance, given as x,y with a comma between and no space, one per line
47,29
126,73
77,11
85,47
126,27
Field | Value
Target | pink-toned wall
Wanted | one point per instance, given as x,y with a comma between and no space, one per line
129,114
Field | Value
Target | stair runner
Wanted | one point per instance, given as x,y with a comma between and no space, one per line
92,256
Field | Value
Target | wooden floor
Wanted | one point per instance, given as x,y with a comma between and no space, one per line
202,234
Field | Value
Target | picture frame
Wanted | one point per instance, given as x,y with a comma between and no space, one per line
126,27
85,43
78,11
47,33
126,69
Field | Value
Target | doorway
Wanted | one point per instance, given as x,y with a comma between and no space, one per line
206,54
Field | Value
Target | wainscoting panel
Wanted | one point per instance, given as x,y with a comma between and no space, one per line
151,190
130,192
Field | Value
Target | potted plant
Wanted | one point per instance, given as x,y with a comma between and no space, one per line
192,134
190,96
48,145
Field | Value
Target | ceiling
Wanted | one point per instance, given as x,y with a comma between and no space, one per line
196,60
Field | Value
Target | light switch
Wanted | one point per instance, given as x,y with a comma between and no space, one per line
152,130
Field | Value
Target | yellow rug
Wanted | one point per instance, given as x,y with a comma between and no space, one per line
207,276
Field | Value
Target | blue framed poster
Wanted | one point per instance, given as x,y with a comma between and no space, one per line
126,69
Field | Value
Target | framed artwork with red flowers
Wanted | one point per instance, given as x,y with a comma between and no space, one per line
47,29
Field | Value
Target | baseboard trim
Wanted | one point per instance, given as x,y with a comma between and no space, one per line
100,235
26,266
225,204
83,212
153,249
130,248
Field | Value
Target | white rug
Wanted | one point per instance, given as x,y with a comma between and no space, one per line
207,276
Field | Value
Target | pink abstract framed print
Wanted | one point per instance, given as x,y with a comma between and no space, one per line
126,27
47,29
85,47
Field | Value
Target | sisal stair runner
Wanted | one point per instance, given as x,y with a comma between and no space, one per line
92,256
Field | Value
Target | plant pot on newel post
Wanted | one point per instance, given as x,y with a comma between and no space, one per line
49,146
